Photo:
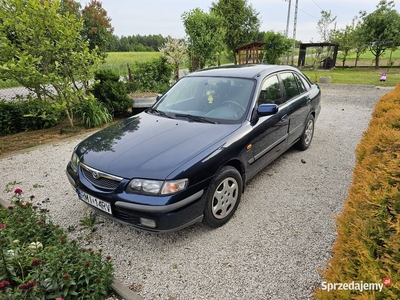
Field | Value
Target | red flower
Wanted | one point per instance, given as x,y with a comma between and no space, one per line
37,261
1,226
108,257
87,264
18,191
65,276
10,207
27,285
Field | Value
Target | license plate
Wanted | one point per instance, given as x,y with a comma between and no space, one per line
93,201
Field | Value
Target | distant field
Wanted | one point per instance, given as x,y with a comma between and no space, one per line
366,59
366,75
118,61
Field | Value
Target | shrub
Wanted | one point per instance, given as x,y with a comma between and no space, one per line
152,76
11,115
30,114
37,261
92,113
367,248
111,92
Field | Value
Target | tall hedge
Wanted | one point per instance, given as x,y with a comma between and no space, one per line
367,248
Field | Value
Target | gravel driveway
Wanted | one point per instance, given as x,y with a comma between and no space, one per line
281,234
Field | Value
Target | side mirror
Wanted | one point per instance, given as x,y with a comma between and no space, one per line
267,109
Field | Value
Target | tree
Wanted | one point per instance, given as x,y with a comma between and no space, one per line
359,46
323,25
42,49
71,7
240,22
345,39
175,51
204,37
97,27
381,29
275,46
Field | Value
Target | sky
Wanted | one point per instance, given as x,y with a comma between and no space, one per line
146,17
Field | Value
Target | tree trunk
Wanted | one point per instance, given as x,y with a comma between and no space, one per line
176,72
70,117
234,57
357,57
376,61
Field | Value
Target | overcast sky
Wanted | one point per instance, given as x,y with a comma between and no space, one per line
144,17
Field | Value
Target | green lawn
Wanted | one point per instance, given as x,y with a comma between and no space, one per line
368,76
118,61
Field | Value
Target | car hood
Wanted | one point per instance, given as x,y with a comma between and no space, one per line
149,146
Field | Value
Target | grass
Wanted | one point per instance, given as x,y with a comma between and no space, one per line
367,76
118,61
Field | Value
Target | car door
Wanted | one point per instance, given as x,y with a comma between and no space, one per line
270,132
299,102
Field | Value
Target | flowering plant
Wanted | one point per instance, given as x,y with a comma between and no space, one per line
37,261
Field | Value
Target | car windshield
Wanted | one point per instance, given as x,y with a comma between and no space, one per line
206,99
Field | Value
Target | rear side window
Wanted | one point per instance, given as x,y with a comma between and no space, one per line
271,91
302,82
290,84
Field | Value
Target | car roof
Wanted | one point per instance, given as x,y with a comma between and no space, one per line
242,71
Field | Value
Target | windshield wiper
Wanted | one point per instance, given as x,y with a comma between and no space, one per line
195,118
160,113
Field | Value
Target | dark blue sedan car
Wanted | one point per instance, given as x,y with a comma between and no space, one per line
187,158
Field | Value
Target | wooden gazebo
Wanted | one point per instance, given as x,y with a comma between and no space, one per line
251,53
327,63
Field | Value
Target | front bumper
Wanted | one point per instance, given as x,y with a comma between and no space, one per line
170,213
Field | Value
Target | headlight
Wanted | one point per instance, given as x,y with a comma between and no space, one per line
146,186
74,161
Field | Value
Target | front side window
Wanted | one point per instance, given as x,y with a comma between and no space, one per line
222,99
271,91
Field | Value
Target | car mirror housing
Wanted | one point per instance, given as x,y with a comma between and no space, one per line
159,96
267,109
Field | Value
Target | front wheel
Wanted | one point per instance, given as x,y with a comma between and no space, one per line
307,135
223,197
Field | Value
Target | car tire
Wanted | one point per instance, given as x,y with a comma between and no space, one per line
307,135
223,196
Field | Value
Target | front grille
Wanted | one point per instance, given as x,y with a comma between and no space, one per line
102,180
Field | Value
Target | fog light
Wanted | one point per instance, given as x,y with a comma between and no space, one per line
148,223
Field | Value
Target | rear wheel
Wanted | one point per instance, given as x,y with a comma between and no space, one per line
223,197
308,133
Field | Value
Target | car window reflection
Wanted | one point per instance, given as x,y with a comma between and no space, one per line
224,100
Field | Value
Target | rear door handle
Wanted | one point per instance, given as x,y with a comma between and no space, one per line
284,118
